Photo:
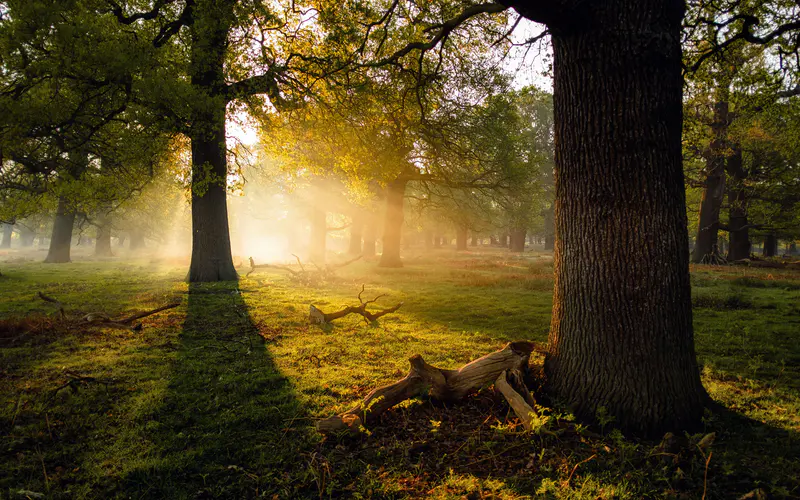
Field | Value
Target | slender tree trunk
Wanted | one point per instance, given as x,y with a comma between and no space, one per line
319,235
473,242
8,230
461,238
738,232
492,240
714,190
211,242
428,239
393,226
437,241
770,245
27,236
356,230
370,235
102,246
518,240
621,340
137,240
62,233
549,230
505,240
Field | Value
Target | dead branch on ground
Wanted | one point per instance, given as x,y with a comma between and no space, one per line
444,385
317,316
74,382
103,319
304,276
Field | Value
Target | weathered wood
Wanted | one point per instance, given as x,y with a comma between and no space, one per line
317,316
518,402
377,401
446,385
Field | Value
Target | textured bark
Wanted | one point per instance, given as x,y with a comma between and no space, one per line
738,233
770,245
211,243
62,233
393,225
461,238
8,230
318,236
714,190
621,338
517,240
356,229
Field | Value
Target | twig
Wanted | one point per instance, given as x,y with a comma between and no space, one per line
705,475
53,301
576,468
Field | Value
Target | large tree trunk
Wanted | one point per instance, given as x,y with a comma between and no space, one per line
393,226
356,230
518,240
714,190
621,338
738,232
770,245
461,238
211,242
8,230
319,235
62,233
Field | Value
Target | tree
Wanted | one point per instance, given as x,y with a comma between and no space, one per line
621,339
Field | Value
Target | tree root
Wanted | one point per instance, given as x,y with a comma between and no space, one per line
103,319
444,385
317,316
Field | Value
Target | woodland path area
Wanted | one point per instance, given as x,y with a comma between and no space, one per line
218,397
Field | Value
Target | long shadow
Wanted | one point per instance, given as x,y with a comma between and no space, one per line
228,424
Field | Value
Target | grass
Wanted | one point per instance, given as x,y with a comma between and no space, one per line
217,398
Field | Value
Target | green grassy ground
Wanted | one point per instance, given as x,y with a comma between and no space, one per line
217,398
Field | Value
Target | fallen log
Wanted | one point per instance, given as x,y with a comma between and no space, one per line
318,317
444,385
518,398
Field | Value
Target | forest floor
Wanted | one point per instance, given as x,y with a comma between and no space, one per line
217,398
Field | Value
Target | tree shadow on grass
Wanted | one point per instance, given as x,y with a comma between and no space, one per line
229,425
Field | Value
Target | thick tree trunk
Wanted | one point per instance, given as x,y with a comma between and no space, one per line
8,230
393,226
492,240
518,240
738,232
770,245
211,242
62,233
356,229
714,190
621,338
319,235
473,242
461,238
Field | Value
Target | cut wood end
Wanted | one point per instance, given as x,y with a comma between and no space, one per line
338,423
